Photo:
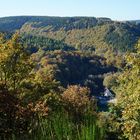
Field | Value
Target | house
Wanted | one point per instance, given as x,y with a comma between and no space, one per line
107,93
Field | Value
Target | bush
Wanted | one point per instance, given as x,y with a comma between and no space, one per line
76,97
14,118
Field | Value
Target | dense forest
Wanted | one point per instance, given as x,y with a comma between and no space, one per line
69,78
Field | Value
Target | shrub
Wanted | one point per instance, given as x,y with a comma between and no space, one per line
76,99
14,118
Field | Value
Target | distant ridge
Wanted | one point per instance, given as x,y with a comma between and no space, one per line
85,32
16,22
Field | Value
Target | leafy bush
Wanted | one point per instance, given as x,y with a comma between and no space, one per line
14,118
76,98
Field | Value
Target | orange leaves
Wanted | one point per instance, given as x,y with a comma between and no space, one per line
41,108
76,97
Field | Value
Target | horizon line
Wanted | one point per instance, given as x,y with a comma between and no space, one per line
67,17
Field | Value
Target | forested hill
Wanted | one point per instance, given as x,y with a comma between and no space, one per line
67,23
58,76
80,32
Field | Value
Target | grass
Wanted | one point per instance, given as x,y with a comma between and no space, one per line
60,126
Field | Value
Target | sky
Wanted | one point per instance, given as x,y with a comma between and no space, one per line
114,9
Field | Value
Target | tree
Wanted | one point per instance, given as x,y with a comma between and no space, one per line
14,67
14,62
129,96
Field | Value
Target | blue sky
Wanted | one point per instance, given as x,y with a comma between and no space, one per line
115,9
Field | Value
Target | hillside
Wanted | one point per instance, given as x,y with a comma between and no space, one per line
93,46
59,75
67,23
84,33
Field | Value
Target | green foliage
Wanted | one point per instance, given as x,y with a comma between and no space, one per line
34,43
122,36
129,97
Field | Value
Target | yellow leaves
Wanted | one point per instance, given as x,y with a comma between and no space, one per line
7,49
131,129
3,53
129,96
14,62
